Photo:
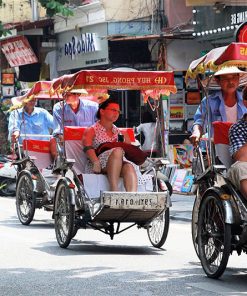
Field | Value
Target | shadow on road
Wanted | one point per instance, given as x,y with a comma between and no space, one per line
86,248
107,281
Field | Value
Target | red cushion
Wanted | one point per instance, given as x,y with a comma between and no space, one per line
221,130
36,145
73,132
76,133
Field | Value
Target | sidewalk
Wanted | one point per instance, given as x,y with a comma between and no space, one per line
182,206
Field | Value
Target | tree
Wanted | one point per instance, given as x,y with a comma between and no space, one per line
52,7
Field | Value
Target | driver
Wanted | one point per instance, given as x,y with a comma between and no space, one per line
74,111
29,120
225,104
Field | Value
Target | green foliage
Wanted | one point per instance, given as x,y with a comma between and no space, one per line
3,31
56,6
52,7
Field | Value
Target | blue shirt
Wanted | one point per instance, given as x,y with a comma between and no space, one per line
39,122
85,116
217,109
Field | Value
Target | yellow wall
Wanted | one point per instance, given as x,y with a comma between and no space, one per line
13,11
123,10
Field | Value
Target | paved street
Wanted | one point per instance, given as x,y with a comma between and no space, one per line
31,263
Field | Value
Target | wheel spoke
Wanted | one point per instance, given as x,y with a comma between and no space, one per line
158,229
64,216
25,202
213,237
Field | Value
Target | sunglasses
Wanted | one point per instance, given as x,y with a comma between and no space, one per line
113,110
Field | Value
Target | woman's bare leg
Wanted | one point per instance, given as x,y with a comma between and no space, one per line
129,177
114,167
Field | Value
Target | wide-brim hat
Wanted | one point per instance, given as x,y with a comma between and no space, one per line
213,84
81,91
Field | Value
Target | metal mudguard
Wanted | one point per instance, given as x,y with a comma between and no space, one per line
72,191
232,215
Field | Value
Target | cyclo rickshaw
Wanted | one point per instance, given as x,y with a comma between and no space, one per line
35,186
89,203
220,211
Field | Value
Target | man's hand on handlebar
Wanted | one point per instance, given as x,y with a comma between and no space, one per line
14,137
196,135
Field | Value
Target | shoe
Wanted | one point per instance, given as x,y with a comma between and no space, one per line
243,236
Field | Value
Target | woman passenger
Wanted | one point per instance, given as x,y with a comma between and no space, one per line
111,162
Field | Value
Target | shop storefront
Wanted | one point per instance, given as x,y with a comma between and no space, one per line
218,24
82,48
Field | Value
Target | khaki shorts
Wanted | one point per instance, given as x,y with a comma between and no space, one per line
237,172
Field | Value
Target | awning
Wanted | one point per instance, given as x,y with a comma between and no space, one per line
235,54
213,2
18,51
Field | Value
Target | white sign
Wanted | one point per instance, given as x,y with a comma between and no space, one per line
8,90
87,42
78,50
238,18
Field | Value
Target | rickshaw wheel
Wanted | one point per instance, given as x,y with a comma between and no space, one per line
25,199
194,225
64,215
214,237
158,229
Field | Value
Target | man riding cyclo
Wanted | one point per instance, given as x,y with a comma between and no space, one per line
31,121
225,104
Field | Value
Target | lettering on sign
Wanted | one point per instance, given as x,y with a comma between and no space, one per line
160,80
85,43
238,18
134,202
243,51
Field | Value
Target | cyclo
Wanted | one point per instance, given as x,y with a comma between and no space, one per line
78,204
220,211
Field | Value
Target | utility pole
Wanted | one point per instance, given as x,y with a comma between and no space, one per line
35,11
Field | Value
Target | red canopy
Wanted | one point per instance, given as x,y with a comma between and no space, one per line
40,90
234,54
151,82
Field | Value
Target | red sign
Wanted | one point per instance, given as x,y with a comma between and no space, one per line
241,33
18,51
140,80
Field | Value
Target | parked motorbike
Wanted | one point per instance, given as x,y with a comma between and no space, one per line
7,177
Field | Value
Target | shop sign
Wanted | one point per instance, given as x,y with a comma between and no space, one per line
238,18
18,51
209,22
78,50
85,43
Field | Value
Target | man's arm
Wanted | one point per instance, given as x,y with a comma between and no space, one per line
241,154
49,119
14,126
197,128
57,119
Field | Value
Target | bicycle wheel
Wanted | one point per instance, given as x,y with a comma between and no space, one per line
194,224
64,215
158,229
214,237
25,199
